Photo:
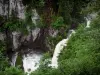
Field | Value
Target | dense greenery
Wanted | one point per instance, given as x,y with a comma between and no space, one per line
57,22
12,71
3,59
5,68
81,56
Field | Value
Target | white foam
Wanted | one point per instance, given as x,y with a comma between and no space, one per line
31,62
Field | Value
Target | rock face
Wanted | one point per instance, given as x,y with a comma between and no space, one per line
16,8
35,38
12,7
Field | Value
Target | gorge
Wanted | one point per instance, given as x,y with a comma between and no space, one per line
29,29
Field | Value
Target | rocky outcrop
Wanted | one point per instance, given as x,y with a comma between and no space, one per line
36,36
19,43
12,7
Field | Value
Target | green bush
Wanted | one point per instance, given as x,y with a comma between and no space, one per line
16,25
57,22
13,71
3,58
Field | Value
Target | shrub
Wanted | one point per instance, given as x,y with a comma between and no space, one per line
13,71
57,22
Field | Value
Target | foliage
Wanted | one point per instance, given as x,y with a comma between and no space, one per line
52,41
40,23
92,6
19,61
96,23
34,3
28,17
57,22
15,25
1,18
12,71
47,71
82,55
4,64
70,10
3,59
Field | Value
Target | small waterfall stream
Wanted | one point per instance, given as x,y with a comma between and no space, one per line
14,58
15,36
89,18
88,23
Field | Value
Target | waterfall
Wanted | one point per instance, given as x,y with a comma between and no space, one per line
88,23
31,61
35,33
58,48
89,18
15,36
14,58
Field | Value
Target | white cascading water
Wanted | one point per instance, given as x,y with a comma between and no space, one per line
59,47
88,23
14,58
15,36
89,18
31,61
